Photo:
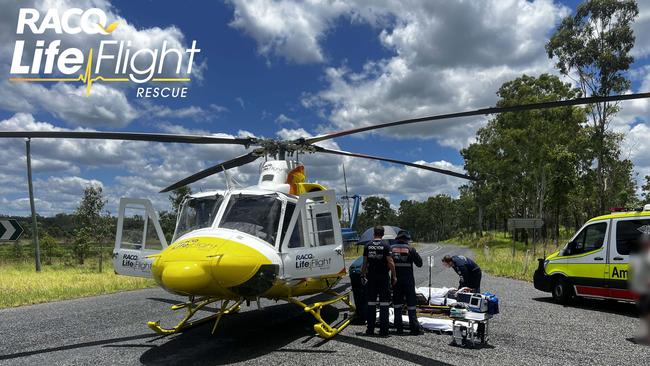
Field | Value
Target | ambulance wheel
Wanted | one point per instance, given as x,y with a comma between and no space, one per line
562,291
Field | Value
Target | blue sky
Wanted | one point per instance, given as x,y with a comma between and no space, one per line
314,65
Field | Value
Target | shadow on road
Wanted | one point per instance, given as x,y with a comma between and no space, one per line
390,351
243,336
101,342
608,306
240,337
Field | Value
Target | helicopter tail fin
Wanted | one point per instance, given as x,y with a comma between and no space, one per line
138,238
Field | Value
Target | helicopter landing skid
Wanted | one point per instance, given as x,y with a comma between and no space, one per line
322,328
192,307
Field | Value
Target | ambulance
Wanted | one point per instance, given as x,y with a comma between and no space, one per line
595,262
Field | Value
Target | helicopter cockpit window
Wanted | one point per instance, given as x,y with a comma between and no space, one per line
255,215
197,213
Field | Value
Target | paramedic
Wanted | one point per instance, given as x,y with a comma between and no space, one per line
377,261
404,257
467,269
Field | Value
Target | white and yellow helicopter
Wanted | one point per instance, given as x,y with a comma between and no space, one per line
280,239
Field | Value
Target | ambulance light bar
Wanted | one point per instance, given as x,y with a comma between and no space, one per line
618,209
645,208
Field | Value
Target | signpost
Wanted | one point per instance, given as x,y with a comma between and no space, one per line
525,224
10,230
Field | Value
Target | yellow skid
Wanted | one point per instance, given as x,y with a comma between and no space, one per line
192,307
322,328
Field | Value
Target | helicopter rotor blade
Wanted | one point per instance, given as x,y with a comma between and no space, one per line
131,136
229,164
414,165
480,112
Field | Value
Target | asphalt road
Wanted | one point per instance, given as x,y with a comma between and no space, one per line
111,330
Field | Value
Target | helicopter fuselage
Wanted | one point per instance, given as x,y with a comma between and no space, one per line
247,243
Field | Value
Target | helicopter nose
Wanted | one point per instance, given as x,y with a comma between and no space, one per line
185,277
214,267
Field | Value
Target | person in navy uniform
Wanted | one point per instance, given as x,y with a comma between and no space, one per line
377,262
468,271
405,256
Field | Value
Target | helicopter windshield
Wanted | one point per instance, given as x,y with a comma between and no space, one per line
197,213
255,215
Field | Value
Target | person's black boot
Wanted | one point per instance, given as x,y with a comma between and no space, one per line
414,324
371,319
383,320
397,319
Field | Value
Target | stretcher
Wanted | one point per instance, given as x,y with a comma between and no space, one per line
470,330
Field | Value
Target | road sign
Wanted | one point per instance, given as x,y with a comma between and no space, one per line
525,224
10,229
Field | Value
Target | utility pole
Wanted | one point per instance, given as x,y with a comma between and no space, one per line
37,249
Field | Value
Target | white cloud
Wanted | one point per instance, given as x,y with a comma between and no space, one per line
105,106
447,56
151,165
641,29
288,29
282,119
241,102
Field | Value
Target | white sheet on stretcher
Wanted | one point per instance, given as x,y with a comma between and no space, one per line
437,298
441,325
437,295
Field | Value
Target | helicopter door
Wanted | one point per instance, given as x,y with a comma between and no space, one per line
312,244
138,235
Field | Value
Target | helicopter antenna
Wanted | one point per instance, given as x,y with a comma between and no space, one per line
225,172
347,196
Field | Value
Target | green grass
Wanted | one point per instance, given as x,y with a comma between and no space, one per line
493,252
353,251
20,284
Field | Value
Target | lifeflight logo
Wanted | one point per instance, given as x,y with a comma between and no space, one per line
114,58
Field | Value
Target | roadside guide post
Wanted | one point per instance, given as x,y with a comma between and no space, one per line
430,260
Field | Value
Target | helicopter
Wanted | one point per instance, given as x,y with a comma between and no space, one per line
280,239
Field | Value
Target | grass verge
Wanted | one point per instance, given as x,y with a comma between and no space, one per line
21,285
353,251
494,253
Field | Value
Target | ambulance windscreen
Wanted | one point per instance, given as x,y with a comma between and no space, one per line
253,214
197,213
